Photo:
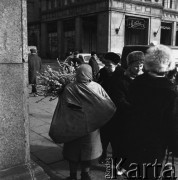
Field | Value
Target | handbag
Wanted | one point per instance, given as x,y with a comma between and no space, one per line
80,111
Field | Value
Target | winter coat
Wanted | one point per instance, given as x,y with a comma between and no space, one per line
34,66
109,81
104,78
112,83
120,95
151,128
95,67
86,148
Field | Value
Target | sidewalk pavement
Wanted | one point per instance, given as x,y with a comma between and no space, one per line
44,151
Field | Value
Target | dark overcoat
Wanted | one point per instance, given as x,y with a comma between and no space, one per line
95,67
152,125
34,66
119,89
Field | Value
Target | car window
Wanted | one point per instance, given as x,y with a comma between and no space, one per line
87,58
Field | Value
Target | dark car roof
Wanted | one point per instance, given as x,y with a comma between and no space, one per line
129,48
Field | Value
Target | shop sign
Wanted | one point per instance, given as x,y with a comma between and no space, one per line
166,27
136,23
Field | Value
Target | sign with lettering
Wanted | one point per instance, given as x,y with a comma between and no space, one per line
166,26
136,23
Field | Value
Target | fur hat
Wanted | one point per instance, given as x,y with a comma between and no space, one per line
159,59
135,56
115,58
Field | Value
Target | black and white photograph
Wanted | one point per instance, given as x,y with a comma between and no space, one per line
88,89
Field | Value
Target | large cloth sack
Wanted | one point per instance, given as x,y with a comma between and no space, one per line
81,109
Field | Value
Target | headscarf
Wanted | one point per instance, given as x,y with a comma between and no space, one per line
84,73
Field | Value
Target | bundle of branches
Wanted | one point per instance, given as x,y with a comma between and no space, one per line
52,81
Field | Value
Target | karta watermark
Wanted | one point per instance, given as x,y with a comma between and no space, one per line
137,171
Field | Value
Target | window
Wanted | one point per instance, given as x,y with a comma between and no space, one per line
177,34
171,4
48,4
55,3
166,33
53,44
52,40
65,2
43,5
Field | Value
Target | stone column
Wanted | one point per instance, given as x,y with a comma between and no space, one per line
174,33
155,30
117,31
78,33
166,3
15,161
43,49
103,33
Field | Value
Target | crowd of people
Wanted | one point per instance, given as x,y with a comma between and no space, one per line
143,127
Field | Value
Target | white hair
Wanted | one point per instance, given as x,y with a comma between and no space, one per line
159,59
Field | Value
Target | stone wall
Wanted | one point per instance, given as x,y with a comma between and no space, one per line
15,160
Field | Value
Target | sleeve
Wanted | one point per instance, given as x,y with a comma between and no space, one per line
171,126
118,94
94,67
103,92
40,64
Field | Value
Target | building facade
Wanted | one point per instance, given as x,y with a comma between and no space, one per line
61,26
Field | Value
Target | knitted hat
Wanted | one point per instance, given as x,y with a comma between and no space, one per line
33,50
135,56
159,59
113,57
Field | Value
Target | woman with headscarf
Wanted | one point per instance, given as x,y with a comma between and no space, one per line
86,149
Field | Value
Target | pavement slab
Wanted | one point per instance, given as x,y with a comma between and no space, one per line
41,144
41,129
34,122
49,155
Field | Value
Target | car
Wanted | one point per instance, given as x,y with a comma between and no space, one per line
85,58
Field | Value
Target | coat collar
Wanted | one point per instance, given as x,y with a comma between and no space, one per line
153,81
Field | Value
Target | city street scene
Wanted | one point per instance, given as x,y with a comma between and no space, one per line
89,89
